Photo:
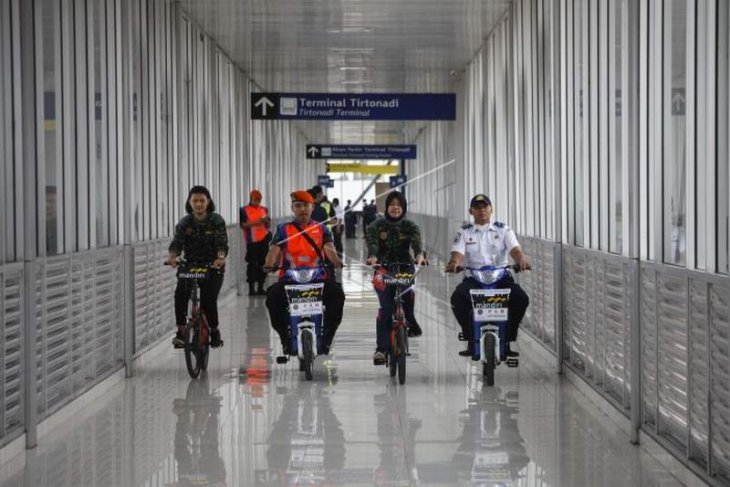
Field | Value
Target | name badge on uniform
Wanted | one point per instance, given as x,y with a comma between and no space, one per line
470,242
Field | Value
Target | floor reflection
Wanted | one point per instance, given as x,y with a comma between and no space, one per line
306,442
197,450
491,449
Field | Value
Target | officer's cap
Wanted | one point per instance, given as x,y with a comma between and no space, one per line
480,199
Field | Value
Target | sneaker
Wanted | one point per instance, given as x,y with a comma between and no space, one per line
414,330
465,353
215,338
178,341
378,358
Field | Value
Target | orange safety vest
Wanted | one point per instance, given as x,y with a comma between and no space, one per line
255,233
298,252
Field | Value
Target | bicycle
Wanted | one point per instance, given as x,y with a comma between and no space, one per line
490,317
394,275
197,331
306,315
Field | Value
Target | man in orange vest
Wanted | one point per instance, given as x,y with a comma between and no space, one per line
303,243
254,221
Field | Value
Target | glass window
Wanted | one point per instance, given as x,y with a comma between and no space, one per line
675,133
7,217
723,136
48,19
580,61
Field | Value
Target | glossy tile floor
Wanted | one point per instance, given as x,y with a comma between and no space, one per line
250,422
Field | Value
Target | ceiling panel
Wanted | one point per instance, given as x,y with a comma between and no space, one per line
349,46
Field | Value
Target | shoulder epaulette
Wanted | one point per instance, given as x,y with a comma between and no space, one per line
499,224
467,226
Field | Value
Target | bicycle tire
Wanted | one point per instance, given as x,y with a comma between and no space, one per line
393,354
192,354
307,353
402,339
489,363
204,348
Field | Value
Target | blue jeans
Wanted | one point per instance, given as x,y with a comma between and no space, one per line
384,321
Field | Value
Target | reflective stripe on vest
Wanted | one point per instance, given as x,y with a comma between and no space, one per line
255,233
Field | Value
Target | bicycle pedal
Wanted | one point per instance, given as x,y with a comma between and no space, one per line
512,362
282,359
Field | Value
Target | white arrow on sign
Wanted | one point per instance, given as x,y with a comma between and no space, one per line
678,101
264,103
313,151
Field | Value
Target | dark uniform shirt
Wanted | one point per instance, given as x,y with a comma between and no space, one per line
392,241
200,240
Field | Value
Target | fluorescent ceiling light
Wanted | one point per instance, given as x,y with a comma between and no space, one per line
353,68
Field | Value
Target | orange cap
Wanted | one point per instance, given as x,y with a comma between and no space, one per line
255,194
301,195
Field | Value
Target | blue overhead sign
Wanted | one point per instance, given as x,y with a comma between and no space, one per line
325,181
361,152
396,181
353,106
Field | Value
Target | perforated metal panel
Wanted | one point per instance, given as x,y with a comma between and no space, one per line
154,289
79,324
596,314
11,307
686,363
539,286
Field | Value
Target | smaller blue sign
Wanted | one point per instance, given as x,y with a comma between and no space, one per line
399,180
361,152
325,181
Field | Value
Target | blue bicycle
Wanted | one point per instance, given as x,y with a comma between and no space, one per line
490,317
306,313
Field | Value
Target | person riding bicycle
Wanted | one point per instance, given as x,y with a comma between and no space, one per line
390,240
486,243
201,237
303,242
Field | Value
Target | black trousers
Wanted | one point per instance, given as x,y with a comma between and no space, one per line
209,290
337,237
461,305
256,256
384,321
333,298
350,224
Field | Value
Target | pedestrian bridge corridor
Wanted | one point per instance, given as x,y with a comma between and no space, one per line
251,422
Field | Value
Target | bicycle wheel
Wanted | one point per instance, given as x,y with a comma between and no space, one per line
393,354
192,351
307,360
489,362
204,348
402,339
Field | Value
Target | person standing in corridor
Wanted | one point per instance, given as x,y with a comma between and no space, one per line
254,221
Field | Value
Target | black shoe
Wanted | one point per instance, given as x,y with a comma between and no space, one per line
215,338
510,353
414,330
178,341
261,291
465,353
251,290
